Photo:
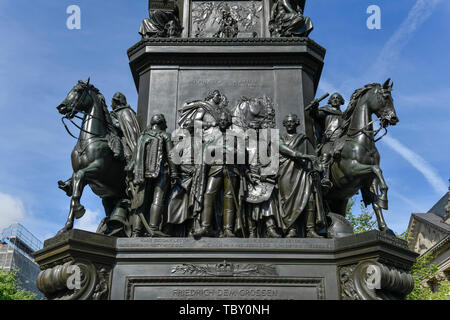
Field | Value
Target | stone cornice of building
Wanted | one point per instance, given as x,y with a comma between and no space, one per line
438,246
413,231
430,223
226,42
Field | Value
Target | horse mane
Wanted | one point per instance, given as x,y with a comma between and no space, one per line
109,124
113,138
348,113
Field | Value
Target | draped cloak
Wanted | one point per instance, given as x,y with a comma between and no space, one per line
125,119
294,180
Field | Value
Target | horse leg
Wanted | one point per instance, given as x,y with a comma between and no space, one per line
76,209
382,226
382,200
361,169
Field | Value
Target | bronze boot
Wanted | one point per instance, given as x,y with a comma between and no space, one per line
155,220
136,226
271,228
252,231
326,182
310,222
206,218
228,218
292,233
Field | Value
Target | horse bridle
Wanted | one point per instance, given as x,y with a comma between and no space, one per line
375,132
76,110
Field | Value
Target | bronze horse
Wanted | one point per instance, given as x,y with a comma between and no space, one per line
97,158
357,162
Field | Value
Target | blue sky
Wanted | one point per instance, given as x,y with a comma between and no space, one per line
41,60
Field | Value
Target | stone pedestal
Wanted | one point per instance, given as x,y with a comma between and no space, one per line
364,266
170,72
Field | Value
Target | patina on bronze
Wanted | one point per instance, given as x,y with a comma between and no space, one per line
298,188
98,158
356,158
168,197
153,174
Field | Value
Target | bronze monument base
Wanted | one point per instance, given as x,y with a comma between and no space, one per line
371,265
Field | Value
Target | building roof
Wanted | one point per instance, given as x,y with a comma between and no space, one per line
434,220
439,207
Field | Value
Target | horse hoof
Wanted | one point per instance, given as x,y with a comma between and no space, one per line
67,227
79,211
383,204
389,232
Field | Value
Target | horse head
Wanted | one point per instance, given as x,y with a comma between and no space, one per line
77,100
381,103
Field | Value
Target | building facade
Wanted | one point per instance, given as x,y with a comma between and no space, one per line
16,247
429,233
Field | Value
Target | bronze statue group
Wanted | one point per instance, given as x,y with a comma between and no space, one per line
299,190
223,198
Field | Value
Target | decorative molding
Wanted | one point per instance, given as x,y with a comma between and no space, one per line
225,269
226,42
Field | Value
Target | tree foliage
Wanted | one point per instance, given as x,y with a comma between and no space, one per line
10,287
364,221
422,272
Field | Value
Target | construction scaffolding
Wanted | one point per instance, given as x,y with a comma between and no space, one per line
16,247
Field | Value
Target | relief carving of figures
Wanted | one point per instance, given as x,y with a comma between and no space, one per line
228,26
205,113
208,18
163,21
287,19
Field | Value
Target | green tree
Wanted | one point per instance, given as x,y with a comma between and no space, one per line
422,272
10,287
364,221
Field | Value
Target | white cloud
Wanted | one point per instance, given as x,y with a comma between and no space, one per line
421,11
428,171
12,210
411,203
89,221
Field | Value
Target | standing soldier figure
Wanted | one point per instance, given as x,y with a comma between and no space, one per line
221,176
153,168
329,120
262,198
